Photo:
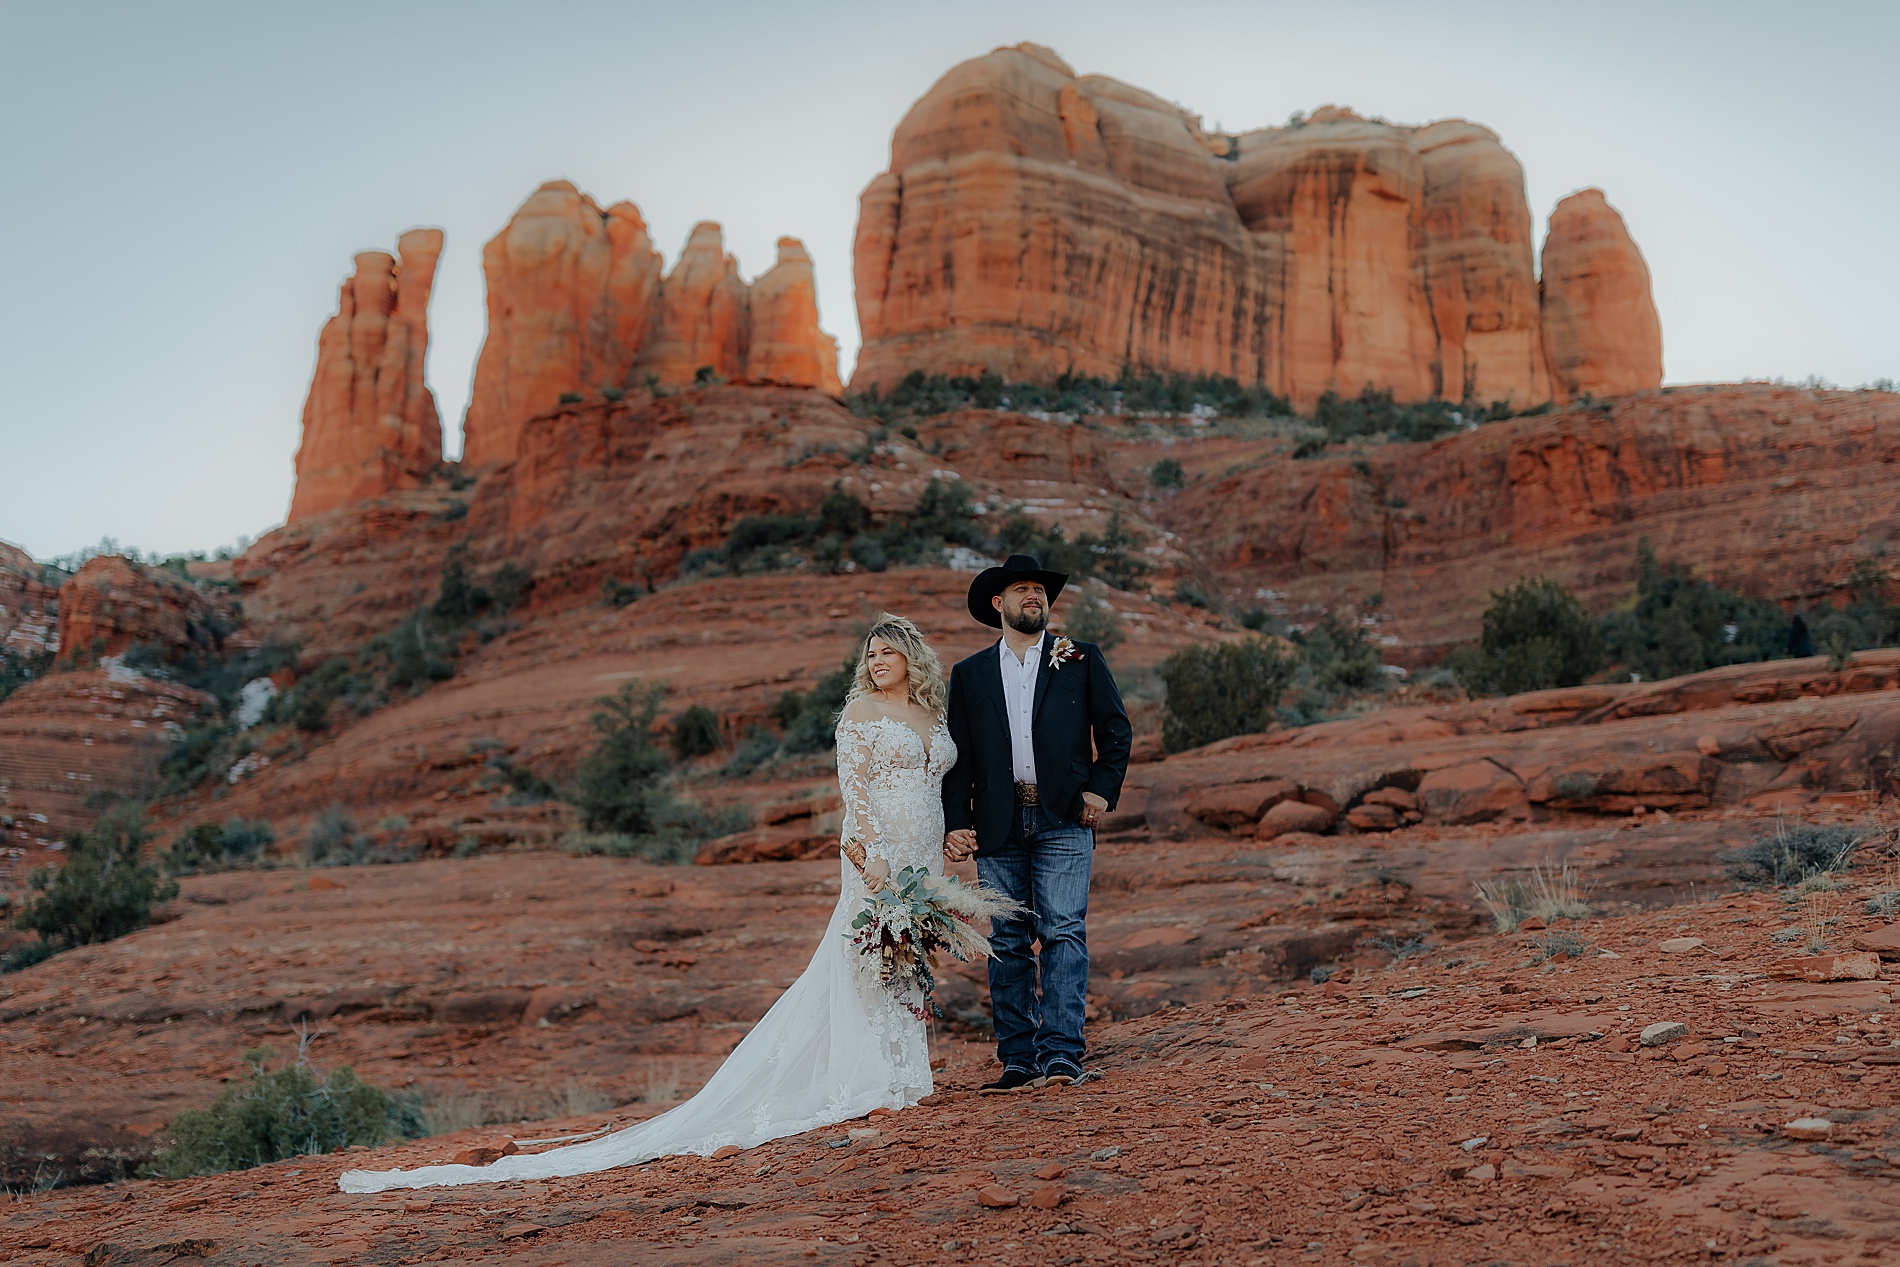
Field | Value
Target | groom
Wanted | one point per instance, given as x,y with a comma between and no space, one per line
1042,745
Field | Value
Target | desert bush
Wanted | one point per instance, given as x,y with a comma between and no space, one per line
1167,473
810,718
620,784
510,585
275,1114
1092,620
333,840
1219,690
1536,636
1558,942
1548,893
103,891
205,847
1793,855
921,395
695,733
1676,623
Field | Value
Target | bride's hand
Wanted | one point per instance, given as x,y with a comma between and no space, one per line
877,874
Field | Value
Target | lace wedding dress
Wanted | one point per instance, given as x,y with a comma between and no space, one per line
834,1046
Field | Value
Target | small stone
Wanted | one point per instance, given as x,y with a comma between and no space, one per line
1373,817
516,1231
478,1156
1482,1174
1680,945
1048,1196
320,883
995,1196
415,1207
1533,924
1663,1032
1473,1144
1054,1170
726,1150
863,1132
1808,1128
1105,1154
1708,745
1290,817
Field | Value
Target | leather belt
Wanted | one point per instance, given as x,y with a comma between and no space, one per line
1026,794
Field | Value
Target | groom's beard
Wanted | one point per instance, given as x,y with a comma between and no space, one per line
1027,622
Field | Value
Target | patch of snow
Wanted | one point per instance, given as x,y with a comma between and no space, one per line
964,559
253,698
117,672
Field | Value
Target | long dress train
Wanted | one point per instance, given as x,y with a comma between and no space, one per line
834,1046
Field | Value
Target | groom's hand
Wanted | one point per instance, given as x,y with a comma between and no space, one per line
1093,807
959,844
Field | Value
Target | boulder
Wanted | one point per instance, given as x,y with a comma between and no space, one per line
369,422
1884,942
1396,797
1857,965
1601,331
1471,792
1233,805
1290,817
1371,817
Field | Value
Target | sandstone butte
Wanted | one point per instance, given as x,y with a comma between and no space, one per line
369,423
1034,222
577,304
112,602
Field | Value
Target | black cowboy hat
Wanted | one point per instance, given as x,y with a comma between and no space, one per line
993,581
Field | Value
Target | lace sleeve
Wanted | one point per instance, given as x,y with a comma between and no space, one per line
854,779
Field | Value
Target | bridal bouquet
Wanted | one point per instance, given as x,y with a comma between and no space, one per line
904,925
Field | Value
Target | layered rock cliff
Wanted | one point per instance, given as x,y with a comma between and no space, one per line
577,305
112,603
1034,222
369,422
1600,325
29,608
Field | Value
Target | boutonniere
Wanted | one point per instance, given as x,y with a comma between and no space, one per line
1061,653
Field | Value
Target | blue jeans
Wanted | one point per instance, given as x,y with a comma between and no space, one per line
1043,864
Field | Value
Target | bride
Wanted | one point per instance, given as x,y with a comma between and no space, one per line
836,1044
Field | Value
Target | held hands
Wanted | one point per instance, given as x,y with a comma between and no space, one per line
1093,807
877,874
959,845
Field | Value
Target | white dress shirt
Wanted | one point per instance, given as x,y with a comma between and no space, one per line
1019,702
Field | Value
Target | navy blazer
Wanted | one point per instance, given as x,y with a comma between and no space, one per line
1080,730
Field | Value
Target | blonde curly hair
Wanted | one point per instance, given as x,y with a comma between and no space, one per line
928,688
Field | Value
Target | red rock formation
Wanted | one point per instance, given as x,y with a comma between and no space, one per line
112,602
29,608
706,315
1033,222
787,345
571,293
1771,490
1600,324
577,304
369,422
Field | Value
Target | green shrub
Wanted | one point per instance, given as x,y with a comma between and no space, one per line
619,786
1167,473
1091,620
921,395
218,847
332,840
1792,854
26,954
458,598
275,1114
103,891
569,398
510,585
1536,636
1677,624
1338,656
695,733
810,718
1219,690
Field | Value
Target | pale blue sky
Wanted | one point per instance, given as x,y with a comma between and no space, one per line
182,184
